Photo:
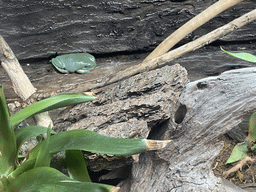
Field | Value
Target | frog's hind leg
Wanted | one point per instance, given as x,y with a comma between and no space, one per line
83,70
60,70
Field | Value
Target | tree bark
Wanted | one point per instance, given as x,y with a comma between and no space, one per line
130,109
42,29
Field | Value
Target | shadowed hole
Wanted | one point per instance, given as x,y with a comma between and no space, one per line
201,85
180,114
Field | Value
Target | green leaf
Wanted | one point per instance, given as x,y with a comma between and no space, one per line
4,182
44,158
244,56
44,179
29,132
239,152
8,152
75,163
82,139
252,128
48,104
26,166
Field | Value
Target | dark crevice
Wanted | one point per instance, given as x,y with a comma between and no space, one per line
202,85
180,114
234,42
158,130
96,176
138,54
134,54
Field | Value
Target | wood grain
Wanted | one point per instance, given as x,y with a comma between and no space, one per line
42,29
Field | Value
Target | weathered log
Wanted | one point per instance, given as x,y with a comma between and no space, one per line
199,64
209,108
130,109
36,29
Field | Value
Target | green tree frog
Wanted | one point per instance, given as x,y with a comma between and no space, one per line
74,62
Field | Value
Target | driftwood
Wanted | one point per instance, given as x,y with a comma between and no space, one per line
158,61
131,109
161,60
21,84
176,53
37,29
191,26
145,105
208,108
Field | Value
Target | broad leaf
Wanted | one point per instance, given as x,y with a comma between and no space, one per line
75,163
48,104
239,152
44,179
82,139
252,128
26,133
244,56
8,151
27,165
43,158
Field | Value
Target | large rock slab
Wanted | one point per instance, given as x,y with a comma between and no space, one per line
36,29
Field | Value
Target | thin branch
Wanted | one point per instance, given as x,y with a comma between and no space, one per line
21,83
176,53
190,26
238,166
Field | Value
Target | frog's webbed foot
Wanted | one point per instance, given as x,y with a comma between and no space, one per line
84,70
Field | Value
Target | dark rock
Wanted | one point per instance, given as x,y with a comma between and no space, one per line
36,29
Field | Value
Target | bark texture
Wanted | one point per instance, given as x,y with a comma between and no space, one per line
208,108
130,109
36,29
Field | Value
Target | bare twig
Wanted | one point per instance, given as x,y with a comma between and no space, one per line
191,25
176,53
238,166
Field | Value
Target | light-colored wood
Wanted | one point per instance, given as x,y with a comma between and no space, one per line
213,106
190,26
176,53
21,84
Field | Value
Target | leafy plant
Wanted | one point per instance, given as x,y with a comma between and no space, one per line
35,173
242,150
244,56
